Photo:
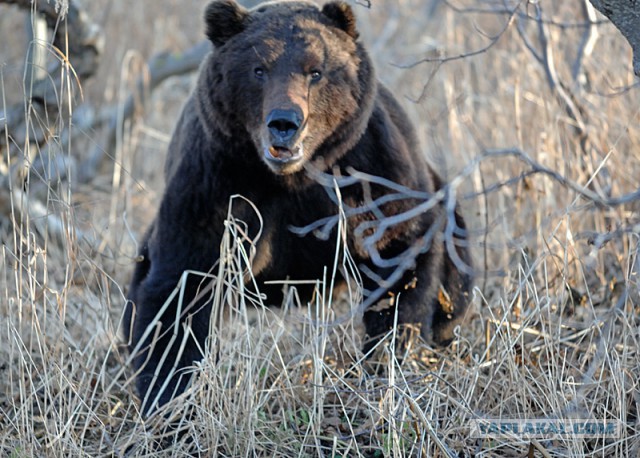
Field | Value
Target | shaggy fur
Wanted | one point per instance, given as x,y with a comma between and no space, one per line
287,84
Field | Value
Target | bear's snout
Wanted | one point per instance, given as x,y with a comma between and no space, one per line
283,125
283,133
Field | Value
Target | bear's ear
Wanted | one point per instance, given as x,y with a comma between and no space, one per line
224,19
342,16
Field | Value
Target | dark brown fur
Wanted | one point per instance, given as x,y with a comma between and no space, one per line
265,60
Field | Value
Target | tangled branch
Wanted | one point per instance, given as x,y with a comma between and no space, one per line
371,231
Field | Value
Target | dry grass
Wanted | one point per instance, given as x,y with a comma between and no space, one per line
554,328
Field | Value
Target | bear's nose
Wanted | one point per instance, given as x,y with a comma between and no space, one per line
283,124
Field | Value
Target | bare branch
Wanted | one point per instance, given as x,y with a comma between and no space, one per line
493,40
527,42
371,231
588,40
506,10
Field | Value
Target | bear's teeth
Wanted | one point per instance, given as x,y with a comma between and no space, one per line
280,153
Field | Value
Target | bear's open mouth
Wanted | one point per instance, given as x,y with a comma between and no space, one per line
282,159
282,154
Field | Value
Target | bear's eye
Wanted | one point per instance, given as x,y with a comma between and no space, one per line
259,72
315,75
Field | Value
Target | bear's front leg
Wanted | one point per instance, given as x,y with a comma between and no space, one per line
168,334
432,296
167,316
411,298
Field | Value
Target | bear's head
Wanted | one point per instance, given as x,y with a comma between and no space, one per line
291,77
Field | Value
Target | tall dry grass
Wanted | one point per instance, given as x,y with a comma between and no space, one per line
553,331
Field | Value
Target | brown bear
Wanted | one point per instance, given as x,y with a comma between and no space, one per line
289,93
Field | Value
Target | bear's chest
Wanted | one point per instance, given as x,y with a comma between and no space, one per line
289,247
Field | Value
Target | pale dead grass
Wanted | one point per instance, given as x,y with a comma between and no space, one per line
555,335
